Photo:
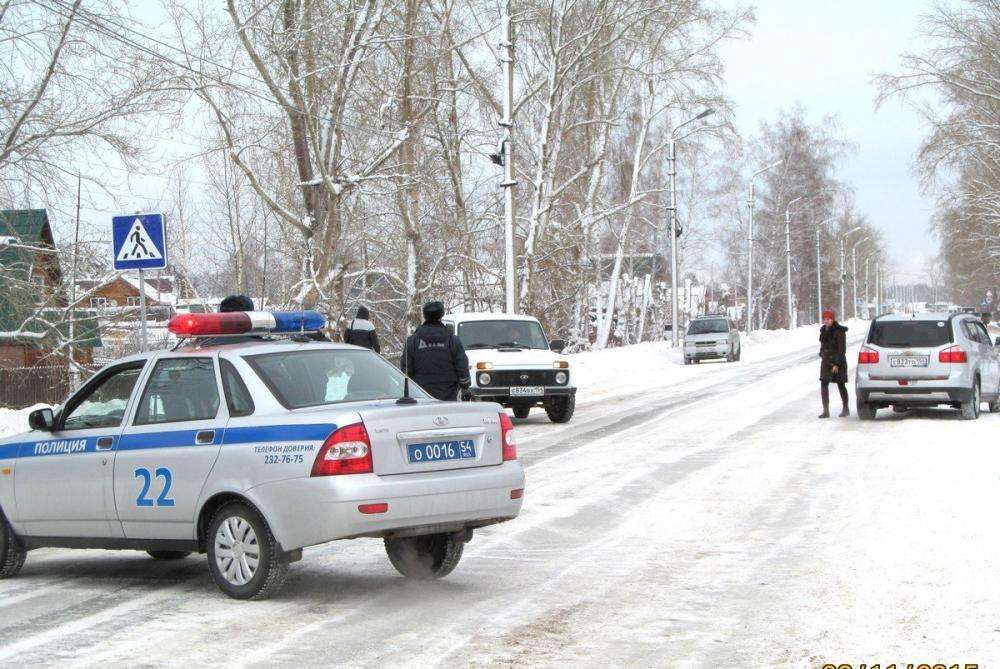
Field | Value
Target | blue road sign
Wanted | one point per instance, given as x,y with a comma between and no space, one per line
140,241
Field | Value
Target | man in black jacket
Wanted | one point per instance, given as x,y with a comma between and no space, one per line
361,332
435,358
833,361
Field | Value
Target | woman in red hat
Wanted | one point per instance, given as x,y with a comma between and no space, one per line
833,365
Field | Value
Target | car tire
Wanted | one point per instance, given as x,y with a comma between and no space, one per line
168,556
560,408
12,553
238,530
521,412
866,410
970,409
687,360
425,557
994,406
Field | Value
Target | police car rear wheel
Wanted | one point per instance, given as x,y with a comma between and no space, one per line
12,554
168,555
426,557
243,555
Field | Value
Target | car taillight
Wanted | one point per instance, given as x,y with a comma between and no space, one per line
867,357
346,451
507,437
953,354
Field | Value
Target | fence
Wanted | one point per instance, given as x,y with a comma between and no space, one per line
24,386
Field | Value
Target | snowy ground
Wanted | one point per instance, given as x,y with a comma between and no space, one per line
688,516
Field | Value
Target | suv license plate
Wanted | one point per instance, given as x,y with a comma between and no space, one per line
908,360
527,390
435,451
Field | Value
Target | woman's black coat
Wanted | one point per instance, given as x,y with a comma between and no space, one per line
833,351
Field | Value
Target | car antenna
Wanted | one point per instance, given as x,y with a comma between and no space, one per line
406,398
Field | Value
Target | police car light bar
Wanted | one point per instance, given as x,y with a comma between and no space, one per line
244,322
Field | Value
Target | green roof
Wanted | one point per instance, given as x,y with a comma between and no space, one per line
31,227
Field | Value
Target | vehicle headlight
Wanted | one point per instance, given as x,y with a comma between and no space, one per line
561,378
484,379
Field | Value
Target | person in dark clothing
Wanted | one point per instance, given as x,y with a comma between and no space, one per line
833,361
361,332
435,358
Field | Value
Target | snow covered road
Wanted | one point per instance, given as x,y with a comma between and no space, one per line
688,516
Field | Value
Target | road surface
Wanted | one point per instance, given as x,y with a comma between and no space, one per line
697,516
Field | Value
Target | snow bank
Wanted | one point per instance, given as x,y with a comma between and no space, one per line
15,421
638,368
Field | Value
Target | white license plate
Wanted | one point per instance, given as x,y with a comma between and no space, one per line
909,360
527,390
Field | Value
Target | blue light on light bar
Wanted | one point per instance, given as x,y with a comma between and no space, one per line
297,321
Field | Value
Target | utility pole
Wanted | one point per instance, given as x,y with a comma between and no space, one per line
843,271
672,171
867,299
750,206
854,271
74,374
788,268
819,282
788,260
508,183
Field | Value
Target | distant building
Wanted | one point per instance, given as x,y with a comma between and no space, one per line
121,295
33,317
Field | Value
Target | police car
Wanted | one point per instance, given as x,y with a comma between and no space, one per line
250,448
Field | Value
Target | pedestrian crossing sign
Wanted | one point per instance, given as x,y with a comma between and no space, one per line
139,242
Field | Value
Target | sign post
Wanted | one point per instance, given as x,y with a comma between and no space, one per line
140,242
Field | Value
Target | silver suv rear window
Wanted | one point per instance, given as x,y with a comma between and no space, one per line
910,334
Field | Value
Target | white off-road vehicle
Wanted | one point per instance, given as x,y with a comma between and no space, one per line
512,363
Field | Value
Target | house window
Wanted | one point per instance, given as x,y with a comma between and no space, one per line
132,301
98,303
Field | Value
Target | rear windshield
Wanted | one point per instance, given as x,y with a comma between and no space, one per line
329,376
708,326
909,334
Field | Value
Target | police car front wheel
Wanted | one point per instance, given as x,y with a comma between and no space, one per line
12,554
243,555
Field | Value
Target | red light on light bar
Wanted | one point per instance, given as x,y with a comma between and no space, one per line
188,325
381,507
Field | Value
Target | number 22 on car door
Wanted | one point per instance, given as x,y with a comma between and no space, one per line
169,448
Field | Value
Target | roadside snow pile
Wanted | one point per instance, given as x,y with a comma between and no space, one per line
639,367
15,421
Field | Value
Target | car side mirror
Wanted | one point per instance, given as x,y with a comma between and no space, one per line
41,419
557,345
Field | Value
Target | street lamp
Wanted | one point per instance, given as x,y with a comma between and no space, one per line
867,298
819,273
843,270
750,205
672,160
854,271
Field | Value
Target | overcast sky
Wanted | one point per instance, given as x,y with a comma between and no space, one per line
825,55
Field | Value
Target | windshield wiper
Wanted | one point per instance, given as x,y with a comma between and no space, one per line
472,346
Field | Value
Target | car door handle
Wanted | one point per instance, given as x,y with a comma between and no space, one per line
105,443
205,437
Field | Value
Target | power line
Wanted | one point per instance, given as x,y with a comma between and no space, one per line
97,22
